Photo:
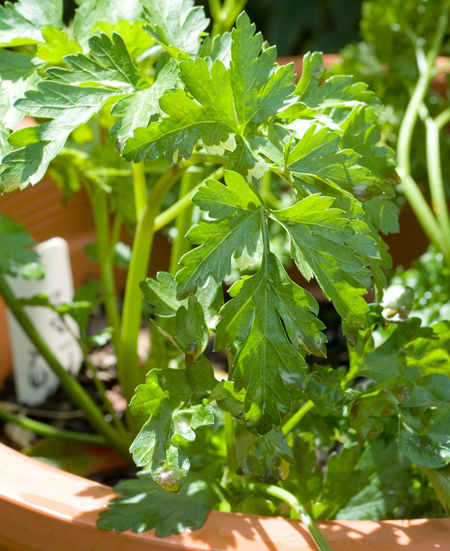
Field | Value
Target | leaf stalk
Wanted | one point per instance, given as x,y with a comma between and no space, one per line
290,499
432,226
42,429
295,419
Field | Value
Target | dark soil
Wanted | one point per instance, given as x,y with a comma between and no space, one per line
337,352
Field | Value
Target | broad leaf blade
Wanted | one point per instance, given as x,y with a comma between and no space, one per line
268,456
144,506
235,228
16,256
21,23
4,145
361,135
320,245
317,157
271,323
175,24
209,119
177,134
109,65
57,45
135,111
260,88
176,409
69,107
15,66
106,11
218,47
18,73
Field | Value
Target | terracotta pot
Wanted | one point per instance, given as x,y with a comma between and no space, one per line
44,509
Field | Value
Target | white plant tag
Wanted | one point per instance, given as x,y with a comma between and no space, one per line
34,379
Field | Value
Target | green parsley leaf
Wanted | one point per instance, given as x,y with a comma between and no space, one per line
336,91
268,456
260,88
107,11
383,476
15,66
68,105
360,135
135,111
220,107
210,119
341,480
175,406
318,159
162,294
320,245
175,24
272,324
21,22
4,145
57,45
109,64
235,228
324,388
144,506
16,257
218,47
427,446
18,73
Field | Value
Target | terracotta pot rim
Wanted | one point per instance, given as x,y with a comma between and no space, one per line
43,509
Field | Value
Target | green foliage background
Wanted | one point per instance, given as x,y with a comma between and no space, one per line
295,26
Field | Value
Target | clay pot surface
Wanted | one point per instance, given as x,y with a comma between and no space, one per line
44,509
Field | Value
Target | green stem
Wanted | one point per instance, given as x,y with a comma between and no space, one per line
225,18
266,193
174,210
181,245
42,429
230,432
438,199
295,419
140,188
410,187
215,8
101,389
129,372
115,234
443,118
73,388
99,205
290,499
232,8
230,437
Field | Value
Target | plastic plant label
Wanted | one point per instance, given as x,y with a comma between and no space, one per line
34,379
